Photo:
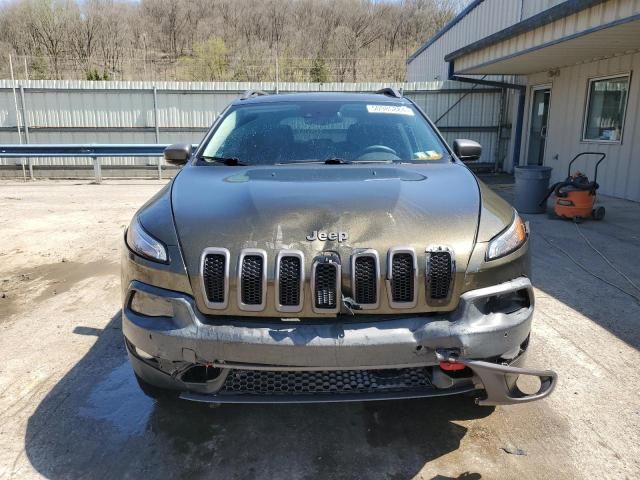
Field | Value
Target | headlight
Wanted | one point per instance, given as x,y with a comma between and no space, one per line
509,240
144,244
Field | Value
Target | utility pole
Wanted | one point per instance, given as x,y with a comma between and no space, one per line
15,103
277,68
144,53
15,99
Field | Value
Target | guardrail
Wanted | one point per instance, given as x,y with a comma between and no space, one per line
94,151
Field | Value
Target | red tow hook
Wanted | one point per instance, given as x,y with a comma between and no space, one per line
451,366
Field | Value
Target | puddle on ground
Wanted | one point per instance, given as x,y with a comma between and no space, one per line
119,401
61,276
45,281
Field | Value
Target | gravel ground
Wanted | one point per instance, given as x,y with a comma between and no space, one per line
70,408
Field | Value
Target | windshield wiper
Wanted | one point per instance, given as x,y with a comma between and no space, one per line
333,161
228,161
337,161
342,161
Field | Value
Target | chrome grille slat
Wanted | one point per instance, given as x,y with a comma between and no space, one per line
289,281
214,275
326,284
440,273
402,277
365,279
325,291
402,285
440,269
252,280
214,267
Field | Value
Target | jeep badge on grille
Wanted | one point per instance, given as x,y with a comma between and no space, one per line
323,236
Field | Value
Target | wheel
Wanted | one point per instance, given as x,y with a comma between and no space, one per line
598,213
157,393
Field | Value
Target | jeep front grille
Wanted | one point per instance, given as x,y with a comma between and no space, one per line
289,281
402,278
365,276
265,382
439,275
252,280
326,285
292,283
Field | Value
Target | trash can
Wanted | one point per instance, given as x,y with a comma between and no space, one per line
532,182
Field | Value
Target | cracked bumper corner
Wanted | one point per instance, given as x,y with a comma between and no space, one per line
499,382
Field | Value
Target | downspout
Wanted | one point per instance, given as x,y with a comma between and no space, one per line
519,123
522,90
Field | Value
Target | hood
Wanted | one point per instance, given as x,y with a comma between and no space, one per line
278,207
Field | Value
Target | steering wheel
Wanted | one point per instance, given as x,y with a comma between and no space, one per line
377,148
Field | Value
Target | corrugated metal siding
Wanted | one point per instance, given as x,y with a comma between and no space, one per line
533,7
619,174
476,117
122,112
585,19
487,18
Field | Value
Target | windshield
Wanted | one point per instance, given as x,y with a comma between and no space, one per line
356,131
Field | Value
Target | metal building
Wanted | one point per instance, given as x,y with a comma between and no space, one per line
87,112
570,65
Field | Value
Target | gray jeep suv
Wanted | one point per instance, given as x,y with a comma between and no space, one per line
327,247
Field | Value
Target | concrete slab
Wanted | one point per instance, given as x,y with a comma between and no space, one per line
70,408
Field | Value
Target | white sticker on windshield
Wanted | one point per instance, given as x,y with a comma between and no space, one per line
391,109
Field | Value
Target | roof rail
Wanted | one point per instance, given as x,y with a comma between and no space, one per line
389,92
252,93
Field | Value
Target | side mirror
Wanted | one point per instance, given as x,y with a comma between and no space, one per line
177,154
467,150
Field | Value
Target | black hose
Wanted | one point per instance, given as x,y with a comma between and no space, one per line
551,189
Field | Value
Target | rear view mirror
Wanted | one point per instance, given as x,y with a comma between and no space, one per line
177,154
467,150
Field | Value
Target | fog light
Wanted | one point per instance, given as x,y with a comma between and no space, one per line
150,305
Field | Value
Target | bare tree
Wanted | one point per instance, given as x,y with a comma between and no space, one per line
84,32
339,40
171,19
49,23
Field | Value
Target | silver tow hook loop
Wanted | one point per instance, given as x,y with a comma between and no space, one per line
499,390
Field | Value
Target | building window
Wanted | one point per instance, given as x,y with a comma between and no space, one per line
606,105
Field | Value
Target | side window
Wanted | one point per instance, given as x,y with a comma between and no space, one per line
606,106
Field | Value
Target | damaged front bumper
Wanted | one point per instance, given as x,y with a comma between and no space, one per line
232,360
